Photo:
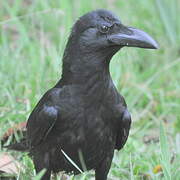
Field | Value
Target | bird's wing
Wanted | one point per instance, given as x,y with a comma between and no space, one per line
41,120
123,130
44,121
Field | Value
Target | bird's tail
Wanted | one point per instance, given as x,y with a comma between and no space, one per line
19,146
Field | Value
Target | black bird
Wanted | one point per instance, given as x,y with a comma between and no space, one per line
83,118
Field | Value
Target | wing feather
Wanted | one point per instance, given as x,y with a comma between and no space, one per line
123,130
42,120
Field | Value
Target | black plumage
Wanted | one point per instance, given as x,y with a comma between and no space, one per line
83,116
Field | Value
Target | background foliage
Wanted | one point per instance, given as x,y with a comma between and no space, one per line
33,35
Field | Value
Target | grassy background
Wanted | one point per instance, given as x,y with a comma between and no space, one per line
32,39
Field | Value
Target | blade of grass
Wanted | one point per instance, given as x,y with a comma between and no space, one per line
39,175
131,168
165,155
71,161
167,17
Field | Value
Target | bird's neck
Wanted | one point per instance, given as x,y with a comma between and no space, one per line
84,68
84,72
89,73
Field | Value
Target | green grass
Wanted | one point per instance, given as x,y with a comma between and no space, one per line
32,39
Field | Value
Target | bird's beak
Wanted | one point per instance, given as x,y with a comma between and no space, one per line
133,37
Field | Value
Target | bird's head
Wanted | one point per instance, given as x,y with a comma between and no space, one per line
101,30
94,39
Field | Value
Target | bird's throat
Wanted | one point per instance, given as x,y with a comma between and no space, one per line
85,69
90,76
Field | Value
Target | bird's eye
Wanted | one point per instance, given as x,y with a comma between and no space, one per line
104,29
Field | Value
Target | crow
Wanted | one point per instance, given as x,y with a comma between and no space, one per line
77,124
